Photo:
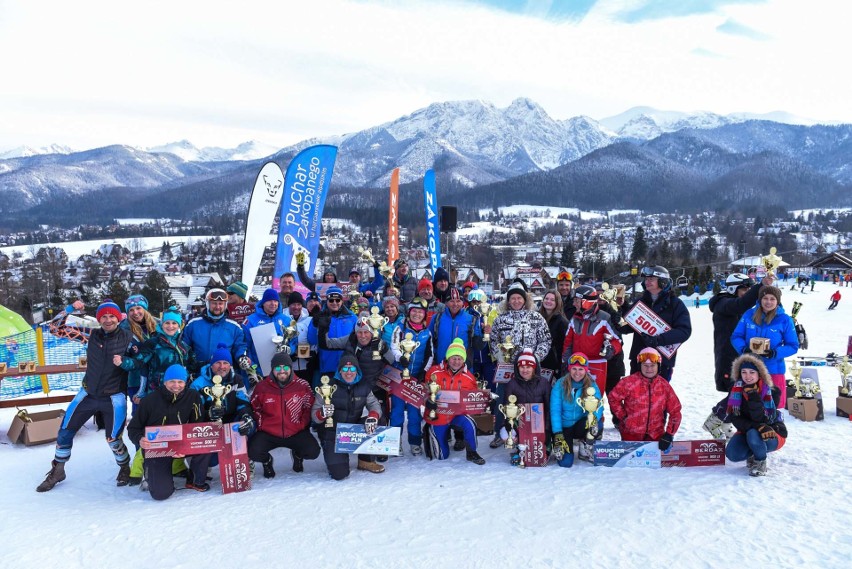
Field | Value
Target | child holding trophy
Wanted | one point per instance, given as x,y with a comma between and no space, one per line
528,386
751,407
768,331
568,419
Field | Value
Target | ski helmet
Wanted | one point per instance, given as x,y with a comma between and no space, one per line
476,295
589,298
661,273
735,281
214,294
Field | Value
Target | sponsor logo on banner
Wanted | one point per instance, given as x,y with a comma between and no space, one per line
531,432
472,402
627,454
263,205
351,438
430,197
646,321
695,453
393,218
188,439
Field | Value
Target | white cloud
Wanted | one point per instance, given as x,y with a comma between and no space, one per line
219,73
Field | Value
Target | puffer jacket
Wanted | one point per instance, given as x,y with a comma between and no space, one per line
157,354
528,329
349,400
421,357
204,334
235,403
103,378
587,335
641,406
162,407
342,324
727,310
564,412
446,327
781,333
535,390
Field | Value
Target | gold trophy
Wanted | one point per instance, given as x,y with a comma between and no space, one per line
512,411
771,261
326,391
385,270
606,344
375,322
408,345
367,255
484,310
507,349
611,296
590,405
796,372
434,388
218,392
845,369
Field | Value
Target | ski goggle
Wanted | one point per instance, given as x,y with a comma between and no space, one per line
653,358
217,294
418,302
349,368
564,276
279,369
651,272
578,360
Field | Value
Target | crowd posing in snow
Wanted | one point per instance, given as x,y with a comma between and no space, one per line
437,336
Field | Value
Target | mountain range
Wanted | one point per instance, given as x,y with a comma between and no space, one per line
481,154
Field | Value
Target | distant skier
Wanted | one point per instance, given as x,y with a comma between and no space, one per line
835,298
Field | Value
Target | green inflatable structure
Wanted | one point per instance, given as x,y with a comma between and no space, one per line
11,323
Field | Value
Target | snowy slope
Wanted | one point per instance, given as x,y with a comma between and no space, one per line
184,149
456,514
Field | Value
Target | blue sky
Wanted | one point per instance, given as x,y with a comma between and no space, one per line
219,73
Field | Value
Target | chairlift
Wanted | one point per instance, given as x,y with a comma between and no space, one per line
682,281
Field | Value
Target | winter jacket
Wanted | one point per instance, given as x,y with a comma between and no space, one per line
282,410
641,406
349,400
203,334
407,287
749,412
727,310
535,390
528,329
781,333
103,378
446,327
136,375
156,355
421,357
588,335
674,312
236,403
342,324
566,412
558,327
280,320
461,380
162,407
370,368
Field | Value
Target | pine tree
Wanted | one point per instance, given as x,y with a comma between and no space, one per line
640,246
156,290
117,292
568,258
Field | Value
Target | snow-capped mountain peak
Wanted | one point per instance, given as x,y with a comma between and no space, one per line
25,151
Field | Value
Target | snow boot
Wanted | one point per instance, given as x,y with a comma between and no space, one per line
203,487
459,444
496,441
758,468
268,471
474,457
416,450
54,477
713,425
123,476
750,462
586,452
370,466
298,461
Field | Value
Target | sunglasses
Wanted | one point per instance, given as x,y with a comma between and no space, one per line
335,300
653,358
217,296
581,360
348,368
278,369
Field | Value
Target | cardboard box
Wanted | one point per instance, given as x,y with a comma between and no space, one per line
484,423
39,428
709,452
806,409
844,404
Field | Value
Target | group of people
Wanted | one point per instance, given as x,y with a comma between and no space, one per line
569,348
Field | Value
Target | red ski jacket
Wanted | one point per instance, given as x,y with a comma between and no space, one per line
282,411
458,381
641,406
588,336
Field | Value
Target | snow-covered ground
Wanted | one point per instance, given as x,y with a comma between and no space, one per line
457,514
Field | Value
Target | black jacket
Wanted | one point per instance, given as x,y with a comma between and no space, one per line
558,326
727,310
162,407
674,312
103,378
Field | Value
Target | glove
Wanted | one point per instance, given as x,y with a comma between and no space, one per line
650,341
431,405
608,352
665,442
327,411
560,446
766,432
216,412
134,350
322,321
368,294
404,361
244,362
247,425
751,393
370,424
301,258
770,354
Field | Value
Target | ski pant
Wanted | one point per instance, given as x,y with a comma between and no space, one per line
438,436
302,444
137,466
198,464
161,481
337,463
741,446
833,304
80,410
614,371
399,410
576,431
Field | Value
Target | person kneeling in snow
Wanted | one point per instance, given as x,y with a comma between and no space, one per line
641,402
752,410
451,374
567,418
172,404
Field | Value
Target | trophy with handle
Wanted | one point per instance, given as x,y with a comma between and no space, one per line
611,295
771,262
507,349
326,391
434,388
796,372
408,345
845,369
376,322
512,411
218,391
590,404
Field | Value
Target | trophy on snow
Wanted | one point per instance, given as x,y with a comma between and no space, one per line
512,411
845,369
796,372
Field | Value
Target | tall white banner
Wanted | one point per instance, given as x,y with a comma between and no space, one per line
263,205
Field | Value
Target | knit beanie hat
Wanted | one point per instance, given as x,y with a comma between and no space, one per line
348,359
270,294
172,316
456,349
516,288
441,274
222,354
135,300
108,307
455,294
768,289
527,358
748,365
424,283
390,300
313,296
295,298
239,288
361,326
175,372
281,359
334,291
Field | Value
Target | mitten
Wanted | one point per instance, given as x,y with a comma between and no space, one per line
770,354
650,341
247,425
665,442
322,321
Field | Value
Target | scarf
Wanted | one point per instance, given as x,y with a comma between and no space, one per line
735,399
